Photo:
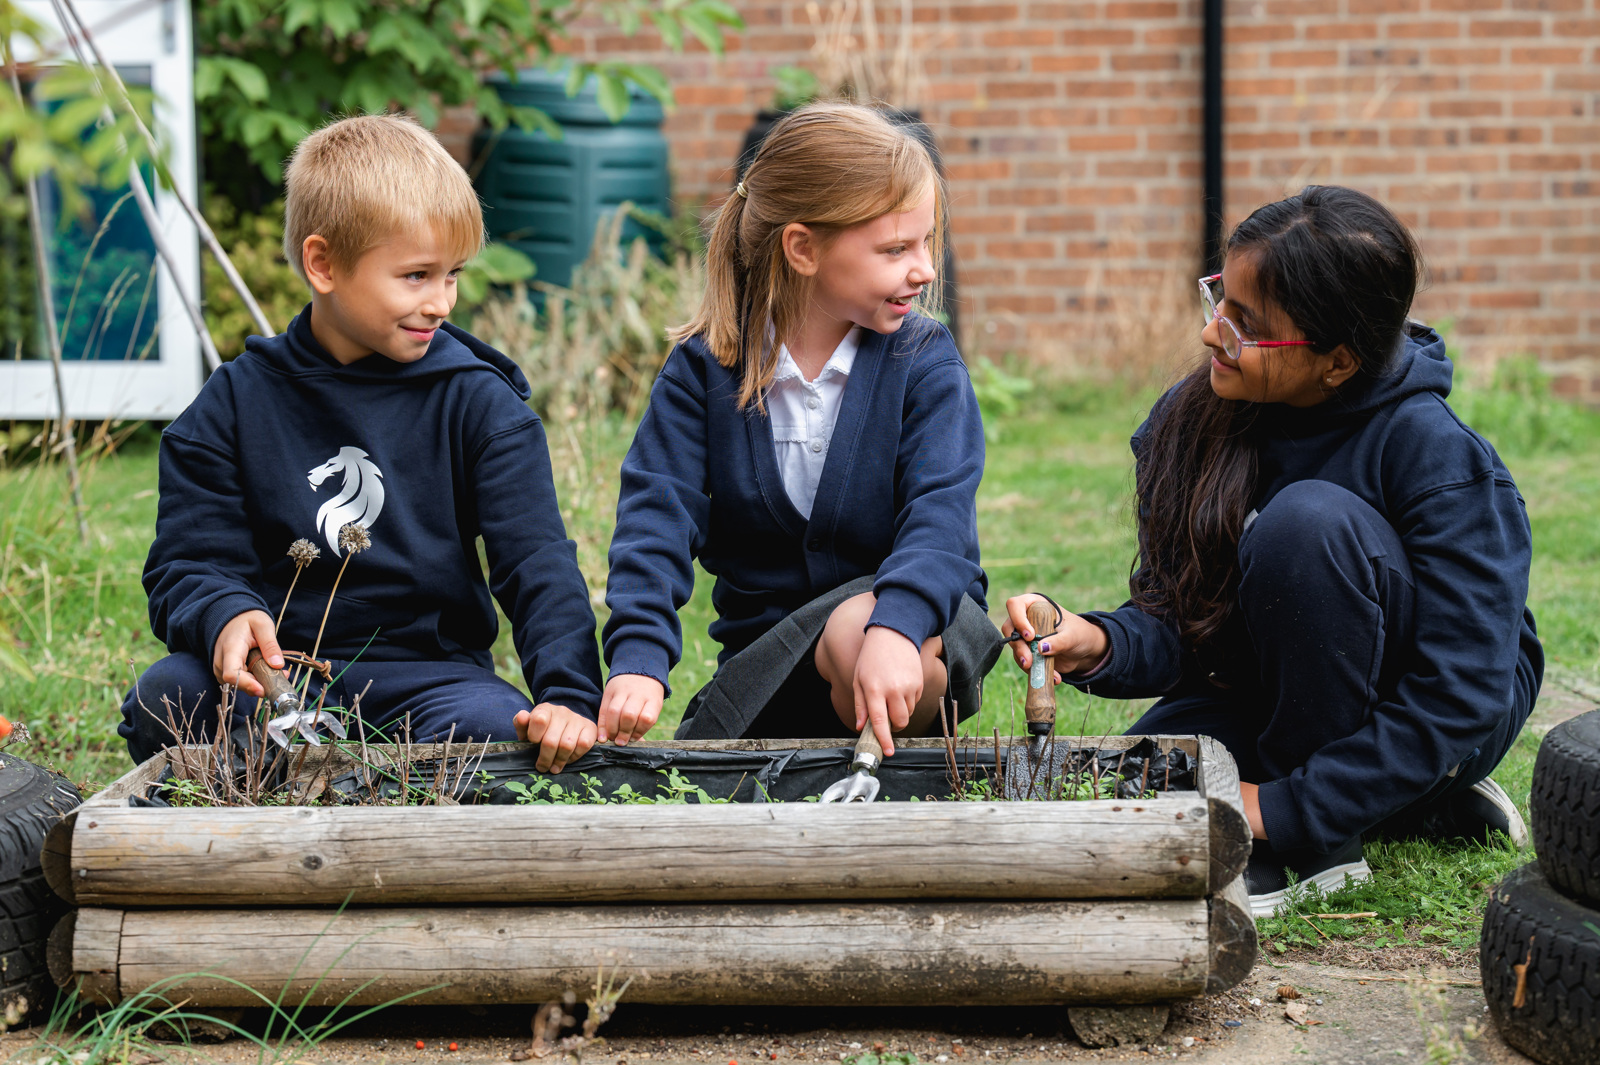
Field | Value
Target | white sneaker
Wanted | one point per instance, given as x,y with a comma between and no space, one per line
1268,881
1489,801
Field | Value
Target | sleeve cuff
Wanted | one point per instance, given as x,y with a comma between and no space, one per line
579,702
1115,654
1093,673
217,615
1280,817
642,658
906,613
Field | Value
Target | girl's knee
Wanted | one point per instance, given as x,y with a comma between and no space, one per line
840,643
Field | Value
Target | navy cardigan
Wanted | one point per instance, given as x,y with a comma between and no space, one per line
897,500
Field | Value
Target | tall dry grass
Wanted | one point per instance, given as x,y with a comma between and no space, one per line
591,353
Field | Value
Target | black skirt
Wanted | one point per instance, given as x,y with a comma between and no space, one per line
772,689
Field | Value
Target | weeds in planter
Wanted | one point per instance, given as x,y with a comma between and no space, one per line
542,791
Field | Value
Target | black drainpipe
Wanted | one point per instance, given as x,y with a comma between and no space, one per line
1211,91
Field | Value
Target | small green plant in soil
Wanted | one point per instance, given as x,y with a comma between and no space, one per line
675,790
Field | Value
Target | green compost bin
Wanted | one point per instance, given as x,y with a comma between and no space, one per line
544,197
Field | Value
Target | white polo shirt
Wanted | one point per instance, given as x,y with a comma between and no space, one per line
803,414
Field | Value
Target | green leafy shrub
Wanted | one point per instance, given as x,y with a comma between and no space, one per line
1000,394
254,241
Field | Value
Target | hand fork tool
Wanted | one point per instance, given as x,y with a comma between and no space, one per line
281,699
861,785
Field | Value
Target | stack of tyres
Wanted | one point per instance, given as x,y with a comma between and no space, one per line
32,799
1540,949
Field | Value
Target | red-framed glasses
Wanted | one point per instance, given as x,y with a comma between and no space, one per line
1233,342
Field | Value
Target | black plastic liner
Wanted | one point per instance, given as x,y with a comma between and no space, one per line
794,775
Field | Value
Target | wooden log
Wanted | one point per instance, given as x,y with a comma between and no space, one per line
1233,937
1230,829
56,857
1234,943
96,939
979,953
456,855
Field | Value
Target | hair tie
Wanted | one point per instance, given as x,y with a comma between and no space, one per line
739,191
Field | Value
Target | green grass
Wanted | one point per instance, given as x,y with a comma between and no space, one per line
1053,514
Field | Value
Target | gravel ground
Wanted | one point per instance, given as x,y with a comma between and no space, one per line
1352,1015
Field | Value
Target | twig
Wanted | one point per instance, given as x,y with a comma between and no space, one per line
47,304
999,773
1313,924
353,540
949,750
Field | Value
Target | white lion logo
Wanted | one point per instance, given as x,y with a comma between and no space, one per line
360,497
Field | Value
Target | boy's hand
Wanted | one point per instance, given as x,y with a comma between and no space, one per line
1075,646
888,683
253,628
630,707
562,735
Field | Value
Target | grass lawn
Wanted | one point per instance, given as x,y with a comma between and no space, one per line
1054,516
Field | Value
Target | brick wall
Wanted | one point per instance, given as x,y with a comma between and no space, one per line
1071,133
1476,120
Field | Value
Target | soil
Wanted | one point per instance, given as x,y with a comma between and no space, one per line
1352,1015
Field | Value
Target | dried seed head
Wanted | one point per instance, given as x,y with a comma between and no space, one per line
353,538
304,552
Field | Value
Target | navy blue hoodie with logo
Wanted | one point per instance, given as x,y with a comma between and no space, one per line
1473,673
285,443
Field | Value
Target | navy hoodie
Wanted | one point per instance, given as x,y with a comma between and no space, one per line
1476,663
285,443
897,500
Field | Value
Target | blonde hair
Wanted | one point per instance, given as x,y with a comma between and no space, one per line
828,166
359,181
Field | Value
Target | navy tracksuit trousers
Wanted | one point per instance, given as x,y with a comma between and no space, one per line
436,695
1326,592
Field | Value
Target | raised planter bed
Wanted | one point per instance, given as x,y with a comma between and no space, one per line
890,903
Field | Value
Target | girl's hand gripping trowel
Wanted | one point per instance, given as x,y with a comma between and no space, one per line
1040,706
862,783
283,701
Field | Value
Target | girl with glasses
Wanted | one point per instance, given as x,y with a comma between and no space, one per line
1332,574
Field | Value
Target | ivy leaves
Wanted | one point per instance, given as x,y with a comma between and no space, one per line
268,71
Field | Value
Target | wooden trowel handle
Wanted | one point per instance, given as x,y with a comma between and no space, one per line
1040,705
274,681
868,749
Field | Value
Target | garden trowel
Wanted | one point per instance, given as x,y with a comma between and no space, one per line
1040,705
283,701
862,783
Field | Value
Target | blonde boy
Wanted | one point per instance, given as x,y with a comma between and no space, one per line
370,409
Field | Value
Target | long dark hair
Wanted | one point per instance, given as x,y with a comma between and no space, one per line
1344,269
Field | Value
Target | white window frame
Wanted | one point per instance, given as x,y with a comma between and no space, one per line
155,34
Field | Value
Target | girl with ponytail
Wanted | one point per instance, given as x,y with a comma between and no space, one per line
814,442
1332,574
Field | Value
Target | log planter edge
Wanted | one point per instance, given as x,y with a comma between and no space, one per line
1109,901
